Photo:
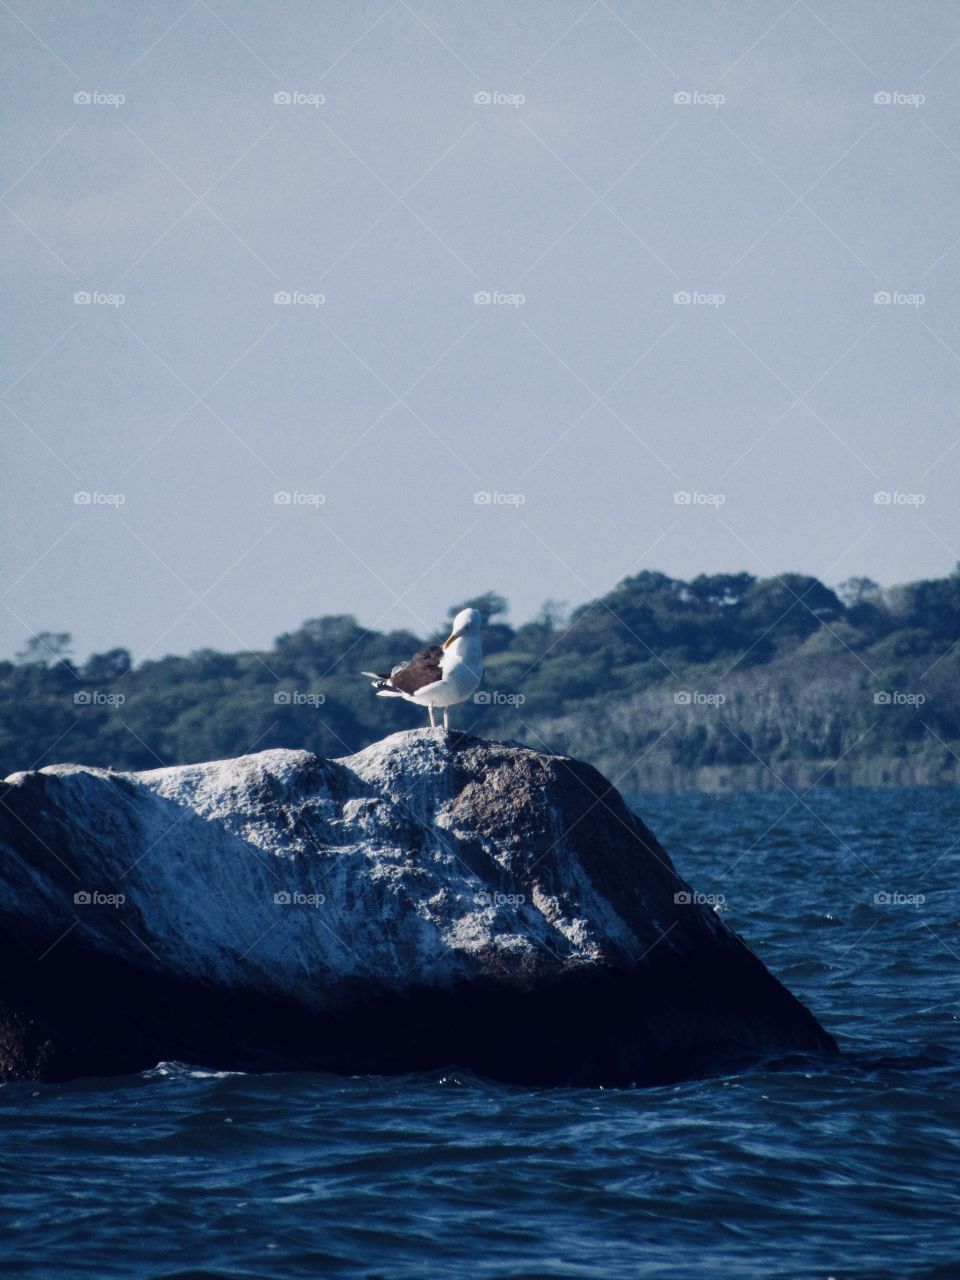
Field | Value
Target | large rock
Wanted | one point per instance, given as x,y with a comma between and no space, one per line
435,899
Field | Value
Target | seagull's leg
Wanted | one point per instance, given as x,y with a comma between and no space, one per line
432,722
446,717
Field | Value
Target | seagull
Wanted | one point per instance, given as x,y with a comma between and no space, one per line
439,676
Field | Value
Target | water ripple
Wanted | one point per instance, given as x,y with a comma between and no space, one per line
800,1167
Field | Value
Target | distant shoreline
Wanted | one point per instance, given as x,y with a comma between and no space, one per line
794,775
724,683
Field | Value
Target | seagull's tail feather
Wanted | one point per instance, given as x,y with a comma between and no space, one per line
381,682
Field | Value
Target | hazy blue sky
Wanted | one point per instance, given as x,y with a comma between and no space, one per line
782,185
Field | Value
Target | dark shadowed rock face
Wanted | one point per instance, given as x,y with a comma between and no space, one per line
435,899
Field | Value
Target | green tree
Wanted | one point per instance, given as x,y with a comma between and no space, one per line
46,648
107,667
857,591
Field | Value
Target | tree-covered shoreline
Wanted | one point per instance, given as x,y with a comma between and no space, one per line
724,681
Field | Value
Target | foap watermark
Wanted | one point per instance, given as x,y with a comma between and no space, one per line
97,98
494,298
884,899
97,898
694,298
297,98
94,498
484,899
694,98
897,98
894,298
691,898
294,898
97,298
493,498
97,698
894,498
497,698
693,498
297,698
896,698
496,98
697,698
298,298
294,498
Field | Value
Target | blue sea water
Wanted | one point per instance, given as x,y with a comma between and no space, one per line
801,1168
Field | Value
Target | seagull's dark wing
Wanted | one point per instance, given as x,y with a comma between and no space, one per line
422,669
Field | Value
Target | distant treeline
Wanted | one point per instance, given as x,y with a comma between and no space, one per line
727,680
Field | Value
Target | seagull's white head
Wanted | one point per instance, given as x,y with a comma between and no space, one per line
467,623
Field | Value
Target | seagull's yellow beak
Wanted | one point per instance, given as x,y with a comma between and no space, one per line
450,639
